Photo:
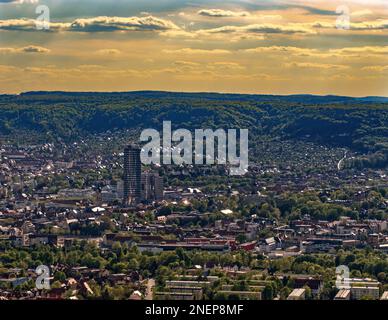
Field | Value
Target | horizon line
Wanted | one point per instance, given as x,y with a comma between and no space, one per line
196,92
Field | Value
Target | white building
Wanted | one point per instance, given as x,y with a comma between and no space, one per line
297,294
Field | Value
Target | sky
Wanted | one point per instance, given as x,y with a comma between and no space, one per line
241,46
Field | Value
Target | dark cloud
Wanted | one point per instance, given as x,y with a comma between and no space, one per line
106,24
317,11
34,49
95,24
273,6
220,13
19,1
27,49
28,25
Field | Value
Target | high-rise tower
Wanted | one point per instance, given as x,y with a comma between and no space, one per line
132,175
151,186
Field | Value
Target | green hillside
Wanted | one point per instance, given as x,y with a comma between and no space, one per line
359,124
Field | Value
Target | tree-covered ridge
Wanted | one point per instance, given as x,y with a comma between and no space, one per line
359,124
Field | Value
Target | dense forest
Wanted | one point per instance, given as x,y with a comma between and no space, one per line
359,124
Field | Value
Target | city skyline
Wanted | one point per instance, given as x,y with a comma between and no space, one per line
275,47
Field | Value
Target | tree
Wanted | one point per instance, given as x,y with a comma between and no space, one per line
56,285
220,296
241,238
234,296
308,293
284,293
268,292
60,276
382,276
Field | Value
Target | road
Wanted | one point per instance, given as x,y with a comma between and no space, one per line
342,160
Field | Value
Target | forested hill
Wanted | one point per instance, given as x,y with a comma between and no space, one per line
357,123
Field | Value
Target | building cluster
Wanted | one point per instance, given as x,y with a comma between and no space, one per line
356,289
77,283
138,186
136,206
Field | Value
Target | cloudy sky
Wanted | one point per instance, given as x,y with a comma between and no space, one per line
246,46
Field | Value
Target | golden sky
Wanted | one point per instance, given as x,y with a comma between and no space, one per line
251,46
